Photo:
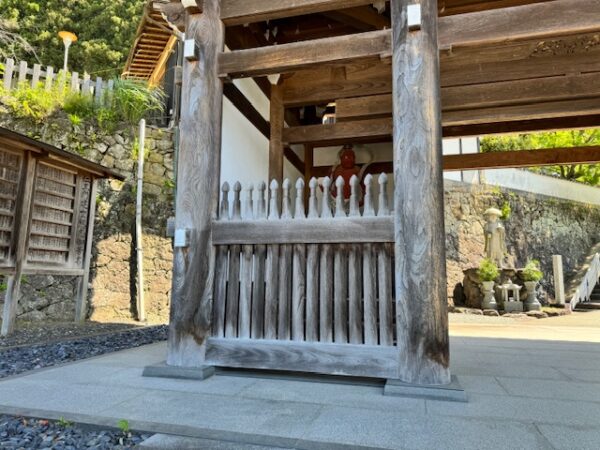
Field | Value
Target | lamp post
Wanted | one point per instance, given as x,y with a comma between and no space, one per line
68,38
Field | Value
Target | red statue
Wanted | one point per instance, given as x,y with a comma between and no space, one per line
346,169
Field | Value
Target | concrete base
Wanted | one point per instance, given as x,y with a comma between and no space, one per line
182,373
452,392
534,306
510,307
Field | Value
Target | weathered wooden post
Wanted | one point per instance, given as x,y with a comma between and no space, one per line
197,187
421,308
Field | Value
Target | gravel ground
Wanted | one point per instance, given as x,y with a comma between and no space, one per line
29,333
15,360
25,433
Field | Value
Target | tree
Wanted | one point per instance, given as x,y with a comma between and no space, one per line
105,29
11,42
584,173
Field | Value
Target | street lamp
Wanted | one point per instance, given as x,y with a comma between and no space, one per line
68,38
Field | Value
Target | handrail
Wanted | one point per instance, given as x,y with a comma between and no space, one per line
587,285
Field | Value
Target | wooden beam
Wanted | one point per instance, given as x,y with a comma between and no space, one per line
290,57
316,357
198,171
82,285
371,130
523,158
475,29
498,160
538,20
294,159
239,12
421,303
276,142
244,106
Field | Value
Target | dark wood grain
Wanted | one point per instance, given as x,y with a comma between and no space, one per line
421,304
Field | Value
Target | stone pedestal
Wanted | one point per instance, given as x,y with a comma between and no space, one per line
532,303
510,307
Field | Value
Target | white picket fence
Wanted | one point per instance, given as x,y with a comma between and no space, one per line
17,74
583,292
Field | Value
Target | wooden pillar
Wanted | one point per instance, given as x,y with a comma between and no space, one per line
421,308
82,287
21,228
198,171
309,153
276,141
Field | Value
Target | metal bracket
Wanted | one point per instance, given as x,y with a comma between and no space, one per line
182,238
190,50
413,16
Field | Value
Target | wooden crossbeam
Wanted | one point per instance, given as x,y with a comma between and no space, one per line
523,158
371,130
497,160
475,29
289,57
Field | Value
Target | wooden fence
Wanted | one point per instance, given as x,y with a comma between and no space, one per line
18,74
325,276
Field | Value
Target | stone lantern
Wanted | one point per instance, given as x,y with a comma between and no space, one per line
510,297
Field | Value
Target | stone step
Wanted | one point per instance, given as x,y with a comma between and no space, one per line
174,442
588,305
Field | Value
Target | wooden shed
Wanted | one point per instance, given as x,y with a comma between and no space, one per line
271,282
47,206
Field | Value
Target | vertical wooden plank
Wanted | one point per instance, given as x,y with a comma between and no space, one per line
98,90
75,82
49,78
198,171
276,140
299,272
258,287
340,294
369,274
272,271
71,261
22,72
326,273
22,230
35,78
9,68
221,266
285,271
312,272
355,307
421,304
82,287
384,280
245,312
233,286
86,86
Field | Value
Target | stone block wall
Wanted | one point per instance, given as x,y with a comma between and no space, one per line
113,269
538,227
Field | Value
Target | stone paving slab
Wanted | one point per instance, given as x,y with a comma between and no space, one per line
513,402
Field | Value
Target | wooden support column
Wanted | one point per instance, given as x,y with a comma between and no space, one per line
421,308
276,141
82,287
198,170
21,227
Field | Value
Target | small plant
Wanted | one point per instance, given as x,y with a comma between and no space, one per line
75,120
3,287
64,423
532,271
24,279
506,211
79,105
123,425
488,270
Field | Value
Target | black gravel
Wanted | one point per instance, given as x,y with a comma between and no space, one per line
21,359
25,433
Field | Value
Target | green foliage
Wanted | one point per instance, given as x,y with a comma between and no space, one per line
75,120
33,102
506,211
532,271
105,29
123,425
584,173
79,105
62,422
3,286
133,100
488,270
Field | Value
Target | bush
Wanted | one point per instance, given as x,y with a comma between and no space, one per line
132,100
34,102
488,270
532,271
79,105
